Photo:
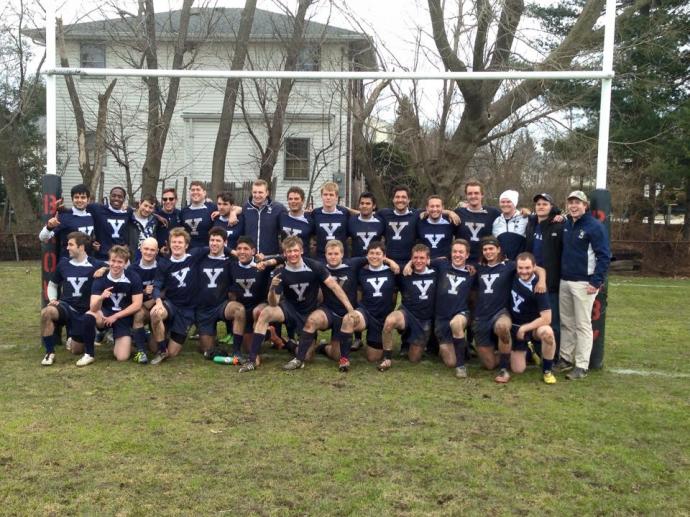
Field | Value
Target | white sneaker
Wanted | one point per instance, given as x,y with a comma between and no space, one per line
68,344
85,360
48,360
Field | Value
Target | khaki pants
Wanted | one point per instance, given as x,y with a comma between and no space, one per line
576,322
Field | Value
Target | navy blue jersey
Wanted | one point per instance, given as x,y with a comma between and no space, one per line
128,285
197,221
329,226
213,280
75,280
147,274
525,304
110,226
300,286
301,226
72,221
249,285
418,293
438,235
363,232
474,226
174,219
493,288
400,232
176,278
453,289
511,234
377,287
346,275
233,232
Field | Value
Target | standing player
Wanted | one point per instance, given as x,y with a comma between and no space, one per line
296,221
492,322
262,219
531,317
330,220
366,227
293,296
171,214
376,281
196,217
401,226
509,227
174,308
418,292
73,277
586,259
435,230
75,220
143,224
145,268
111,222
115,298
225,203
476,220
452,306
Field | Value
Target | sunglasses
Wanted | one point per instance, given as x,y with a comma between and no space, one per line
168,199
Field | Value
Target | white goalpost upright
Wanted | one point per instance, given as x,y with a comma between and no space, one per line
605,75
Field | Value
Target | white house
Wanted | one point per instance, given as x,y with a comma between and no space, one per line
316,146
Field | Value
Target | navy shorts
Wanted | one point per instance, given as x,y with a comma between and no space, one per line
521,345
374,328
294,321
442,330
122,327
418,331
72,319
207,317
335,322
179,318
484,330
249,317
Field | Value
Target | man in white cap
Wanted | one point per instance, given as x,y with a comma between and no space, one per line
509,227
584,264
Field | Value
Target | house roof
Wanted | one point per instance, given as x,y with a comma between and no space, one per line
205,23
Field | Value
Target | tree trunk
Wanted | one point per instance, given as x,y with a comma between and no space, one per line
686,219
25,217
220,151
275,131
158,121
99,154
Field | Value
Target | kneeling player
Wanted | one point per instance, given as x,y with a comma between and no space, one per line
452,308
531,315
73,276
293,295
376,281
115,298
145,268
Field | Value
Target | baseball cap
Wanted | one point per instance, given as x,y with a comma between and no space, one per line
578,194
545,197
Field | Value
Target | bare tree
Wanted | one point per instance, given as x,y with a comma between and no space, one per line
91,173
227,115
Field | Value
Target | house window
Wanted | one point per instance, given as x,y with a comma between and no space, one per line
92,55
90,140
296,158
309,59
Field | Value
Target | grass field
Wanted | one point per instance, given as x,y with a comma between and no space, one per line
194,437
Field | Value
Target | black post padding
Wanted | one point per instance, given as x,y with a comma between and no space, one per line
52,191
600,206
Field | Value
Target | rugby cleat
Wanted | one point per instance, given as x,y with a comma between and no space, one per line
247,367
141,358
503,376
159,358
549,378
85,360
461,372
48,359
344,365
294,364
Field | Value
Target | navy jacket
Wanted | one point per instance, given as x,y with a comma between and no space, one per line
586,253
263,225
